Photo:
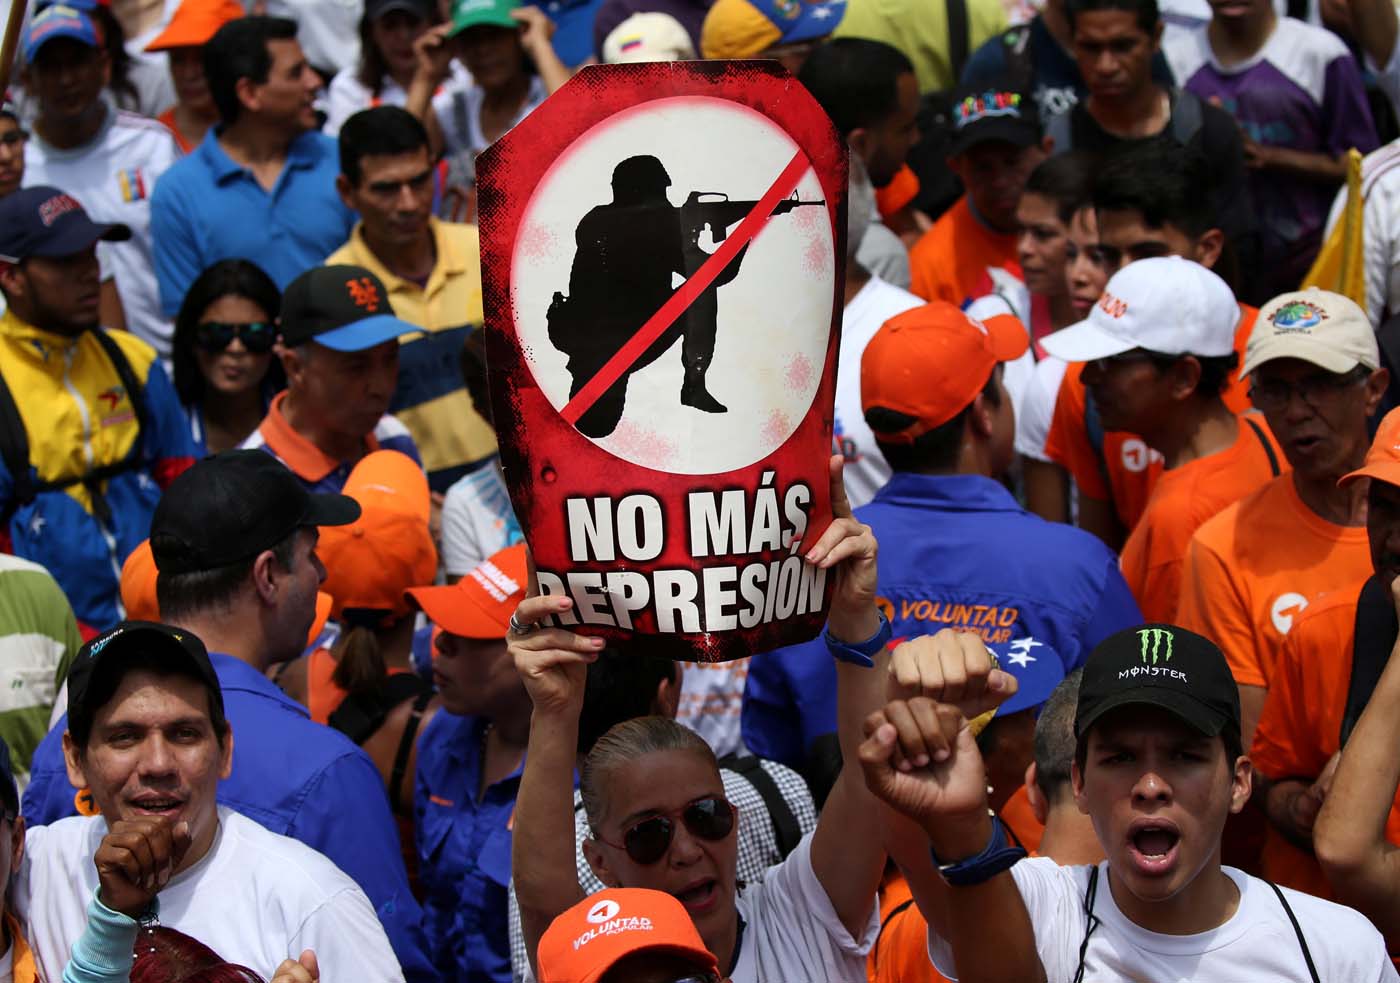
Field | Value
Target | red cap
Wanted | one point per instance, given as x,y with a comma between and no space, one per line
932,361
481,603
591,937
194,23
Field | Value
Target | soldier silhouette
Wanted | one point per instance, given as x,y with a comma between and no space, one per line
627,253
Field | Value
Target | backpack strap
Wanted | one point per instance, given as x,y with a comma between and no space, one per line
959,42
1188,117
1375,632
885,923
1297,931
361,714
405,749
786,831
1264,442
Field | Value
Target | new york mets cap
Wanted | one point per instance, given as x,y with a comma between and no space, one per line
342,307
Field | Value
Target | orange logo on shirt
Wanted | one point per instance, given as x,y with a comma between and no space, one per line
363,293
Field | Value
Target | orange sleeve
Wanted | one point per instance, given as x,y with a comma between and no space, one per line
1067,441
924,261
898,193
1287,742
1020,819
1211,605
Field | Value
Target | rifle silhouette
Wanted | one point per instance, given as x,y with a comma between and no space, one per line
715,209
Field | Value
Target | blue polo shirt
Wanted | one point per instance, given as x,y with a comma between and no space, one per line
464,842
956,551
294,777
206,208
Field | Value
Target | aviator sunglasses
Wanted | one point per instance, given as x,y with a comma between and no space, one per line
646,842
215,336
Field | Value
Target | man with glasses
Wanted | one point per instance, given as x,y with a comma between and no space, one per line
1251,570
1159,348
433,276
340,350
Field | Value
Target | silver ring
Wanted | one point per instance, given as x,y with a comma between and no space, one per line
520,629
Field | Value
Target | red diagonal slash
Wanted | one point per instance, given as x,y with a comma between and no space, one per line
685,295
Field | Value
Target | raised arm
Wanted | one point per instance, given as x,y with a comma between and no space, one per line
554,666
1349,837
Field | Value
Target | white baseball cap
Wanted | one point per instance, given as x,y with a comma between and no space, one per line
648,36
1316,326
1165,304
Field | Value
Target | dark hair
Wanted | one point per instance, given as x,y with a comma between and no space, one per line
1216,370
165,955
1066,179
855,80
372,68
107,677
1145,11
472,362
1054,737
936,450
226,278
238,50
380,131
621,685
183,595
114,40
1166,183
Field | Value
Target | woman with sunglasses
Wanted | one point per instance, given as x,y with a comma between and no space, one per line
655,800
224,371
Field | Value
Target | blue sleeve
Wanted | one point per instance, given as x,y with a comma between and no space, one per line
49,795
345,815
169,435
1116,609
789,701
177,259
987,66
1345,110
103,953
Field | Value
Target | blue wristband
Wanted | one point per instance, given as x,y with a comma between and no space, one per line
860,653
998,855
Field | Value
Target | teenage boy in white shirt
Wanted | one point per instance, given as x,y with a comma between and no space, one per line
1158,768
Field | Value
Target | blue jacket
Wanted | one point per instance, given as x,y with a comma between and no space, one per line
463,851
297,778
956,551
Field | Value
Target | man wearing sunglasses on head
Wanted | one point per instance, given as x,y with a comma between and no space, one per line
340,349
656,804
1159,351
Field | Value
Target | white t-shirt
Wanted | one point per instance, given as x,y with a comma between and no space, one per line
328,31
459,116
875,303
1380,186
347,95
1037,407
256,898
1012,298
113,177
1256,945
477,520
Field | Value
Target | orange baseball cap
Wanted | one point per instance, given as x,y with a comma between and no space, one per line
389,548
932,361
481,603
138,589
194,23
1383,459
591,937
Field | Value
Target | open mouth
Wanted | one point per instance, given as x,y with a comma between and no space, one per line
700,897
1153,847
158,807
1306,445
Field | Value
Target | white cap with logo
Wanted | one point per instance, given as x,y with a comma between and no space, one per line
1165,304
1316,326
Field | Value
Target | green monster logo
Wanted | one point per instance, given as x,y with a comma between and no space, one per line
1152,644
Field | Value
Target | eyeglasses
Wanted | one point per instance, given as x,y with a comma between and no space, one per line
215,336
1271,395
646,842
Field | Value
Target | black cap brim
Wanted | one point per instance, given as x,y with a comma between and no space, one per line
330,510
1188,709
1018,133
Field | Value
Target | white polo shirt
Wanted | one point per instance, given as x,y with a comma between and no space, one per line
113,177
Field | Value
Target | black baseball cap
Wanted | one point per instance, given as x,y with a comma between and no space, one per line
341,307
1163,666
118,644
984,115
44,221
232,506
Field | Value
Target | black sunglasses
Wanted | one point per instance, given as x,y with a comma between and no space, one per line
215,336
646,842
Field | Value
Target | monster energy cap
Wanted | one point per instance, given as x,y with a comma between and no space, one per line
1163,666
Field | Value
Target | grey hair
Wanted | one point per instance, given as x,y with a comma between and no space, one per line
626,742
1054,737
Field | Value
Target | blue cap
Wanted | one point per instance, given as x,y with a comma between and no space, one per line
44,221
58,21
802,20
1037,667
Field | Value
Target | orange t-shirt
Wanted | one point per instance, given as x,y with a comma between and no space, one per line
900,952
1185,497
1020,819
1132,468
950,261
1254,567
1300,728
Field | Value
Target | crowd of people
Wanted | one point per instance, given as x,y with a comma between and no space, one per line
1104,689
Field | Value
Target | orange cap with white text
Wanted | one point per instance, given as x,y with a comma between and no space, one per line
591,937
481,603
1383,459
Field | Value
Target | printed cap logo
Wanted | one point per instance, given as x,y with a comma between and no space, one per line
789,9
1297,316
363,293
1152,647
988,104
603,911
1114,307
55,208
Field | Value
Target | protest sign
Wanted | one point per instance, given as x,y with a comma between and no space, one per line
662,251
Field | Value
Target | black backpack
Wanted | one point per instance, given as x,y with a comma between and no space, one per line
1376,630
